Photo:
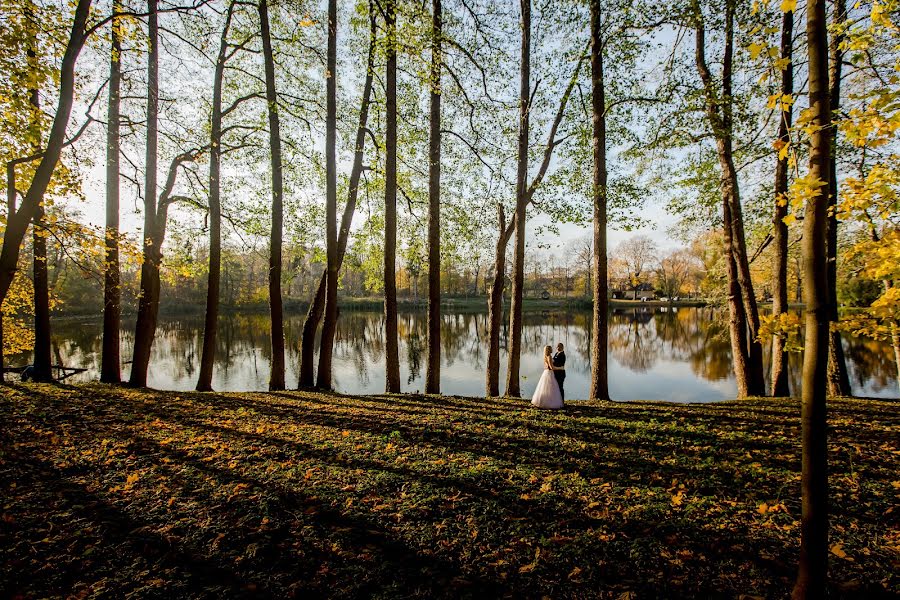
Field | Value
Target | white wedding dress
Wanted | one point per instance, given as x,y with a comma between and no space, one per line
547,395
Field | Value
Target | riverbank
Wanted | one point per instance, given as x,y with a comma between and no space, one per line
455,304
114,492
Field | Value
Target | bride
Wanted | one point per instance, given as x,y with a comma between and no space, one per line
547,394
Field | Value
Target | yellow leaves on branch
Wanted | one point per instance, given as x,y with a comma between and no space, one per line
785,326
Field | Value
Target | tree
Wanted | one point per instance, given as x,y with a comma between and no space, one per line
838,379
392,358
317,306
719,112
674,270
148,304
525,193
329,325
519,218
600,326
779,375
276,378
638,254
17,221
110,368
811,576
211,319
433,372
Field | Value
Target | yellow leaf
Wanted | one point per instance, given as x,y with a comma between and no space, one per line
788,5
754,49
838,551
789,219
763,508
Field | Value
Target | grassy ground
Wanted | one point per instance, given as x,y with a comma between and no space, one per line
114,493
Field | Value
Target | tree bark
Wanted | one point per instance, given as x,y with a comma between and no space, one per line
518,280
838,379
813,565
495,306
276,311
598,273
214,280
110,361
780,387
148,303
317,306
329,325
433,372
737,322
392,358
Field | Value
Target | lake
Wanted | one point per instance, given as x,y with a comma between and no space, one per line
655,353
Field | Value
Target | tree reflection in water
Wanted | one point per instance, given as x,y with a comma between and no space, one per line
664,353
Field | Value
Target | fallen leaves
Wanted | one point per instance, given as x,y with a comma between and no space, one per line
440,490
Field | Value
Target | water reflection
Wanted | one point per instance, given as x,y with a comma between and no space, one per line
654,353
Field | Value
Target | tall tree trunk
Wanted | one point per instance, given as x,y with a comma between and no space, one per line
317,306
42,356
780,386
813,566
329,325
214,280
433,372
600,332
110,361
719,114
276,312
838,379
392,358
518,279
495,306
148,302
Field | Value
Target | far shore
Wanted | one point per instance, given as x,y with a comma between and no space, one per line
455,303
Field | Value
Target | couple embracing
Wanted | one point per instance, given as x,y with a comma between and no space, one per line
549,392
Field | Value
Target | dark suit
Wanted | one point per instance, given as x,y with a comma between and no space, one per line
559,360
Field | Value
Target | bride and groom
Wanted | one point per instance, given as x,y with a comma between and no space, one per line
550,392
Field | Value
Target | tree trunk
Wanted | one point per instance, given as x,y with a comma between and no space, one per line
838,379
737,317
392,358
433,372
780,386
317,306
276,311
42,361
495,306
329,325
148,303
600,332
518,279
214,280
813,565
110,362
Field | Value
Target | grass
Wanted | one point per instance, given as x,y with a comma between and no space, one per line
111,492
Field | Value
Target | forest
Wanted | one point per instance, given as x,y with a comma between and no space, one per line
723,174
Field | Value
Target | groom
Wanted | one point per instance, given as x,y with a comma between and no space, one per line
559,361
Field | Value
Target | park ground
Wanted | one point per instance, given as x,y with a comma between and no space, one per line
113,492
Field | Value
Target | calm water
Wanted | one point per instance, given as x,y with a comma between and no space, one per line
654,353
